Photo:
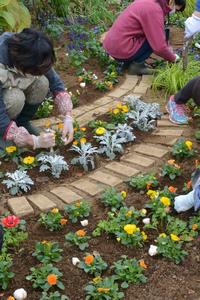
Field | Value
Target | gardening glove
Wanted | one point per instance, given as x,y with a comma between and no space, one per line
184,202
192,26
64,103
177,58
197,198
46,140
68,129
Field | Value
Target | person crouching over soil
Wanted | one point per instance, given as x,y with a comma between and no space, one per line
139,31
26,75
176,105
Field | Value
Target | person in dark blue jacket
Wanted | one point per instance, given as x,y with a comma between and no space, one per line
26,75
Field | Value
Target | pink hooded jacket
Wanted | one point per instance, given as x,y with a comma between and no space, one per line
143,19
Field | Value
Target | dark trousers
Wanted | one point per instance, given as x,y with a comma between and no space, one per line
190,91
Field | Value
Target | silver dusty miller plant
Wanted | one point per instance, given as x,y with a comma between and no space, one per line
53,162
126,132
86,157
143,115
110,144
17,182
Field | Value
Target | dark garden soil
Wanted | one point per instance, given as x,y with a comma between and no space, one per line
165,279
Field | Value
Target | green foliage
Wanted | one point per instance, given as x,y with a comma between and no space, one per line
143,181
78,210
96,265
53,296
14,236
98,123
130,235
39,276
5,274
47,252
171,170
180,228
45,109
171,78
52,220
78,238
14,16
77,58
102,289
112,198
183,149
12,153
189,9
171,249
129,271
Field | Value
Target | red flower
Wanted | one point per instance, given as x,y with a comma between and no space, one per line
10,221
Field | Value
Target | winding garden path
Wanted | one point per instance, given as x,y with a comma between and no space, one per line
137,158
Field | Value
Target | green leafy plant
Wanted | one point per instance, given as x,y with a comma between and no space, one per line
130,235
79,238
78,210
14,236
143,181
47,252
129,271
5,274
18,181
180,228
11,153
45,277
112,198
172,170
103,288
45,108
183,149
53,296
93,264
171,247
52,220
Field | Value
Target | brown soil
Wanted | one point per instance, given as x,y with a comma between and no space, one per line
165,279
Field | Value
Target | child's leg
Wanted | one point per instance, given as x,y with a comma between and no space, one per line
190,91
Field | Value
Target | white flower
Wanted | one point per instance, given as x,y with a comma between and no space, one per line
82,85
153,250
94,77
75,261
20,294
67,54
146,220
84,223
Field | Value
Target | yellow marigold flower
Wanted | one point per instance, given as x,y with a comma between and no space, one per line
129,213
83,140
55,210
188,144
116,111
123,194
119,105
100,131
143,211
195,227
75,129
162,235
83,129
174,237
47,124
144,235
165,200
130,228
29,160
44,242
152,194
11,149
125,108
103,290
75,143
97,279
60,126
109,84
171,161
118,239
78,204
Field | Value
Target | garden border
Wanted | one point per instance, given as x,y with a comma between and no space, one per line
137,158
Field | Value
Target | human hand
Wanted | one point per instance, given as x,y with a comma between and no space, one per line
46,140
64,103
68,129
177,58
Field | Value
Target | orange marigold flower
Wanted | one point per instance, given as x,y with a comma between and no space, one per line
142,264
172,189
189,184
63,221
10,298
148,185
81,232
171,161
89,259
52,279
103,290
195,227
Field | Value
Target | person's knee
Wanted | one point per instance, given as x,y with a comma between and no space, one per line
14,100
38,91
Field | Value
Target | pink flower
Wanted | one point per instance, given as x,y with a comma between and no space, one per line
10,221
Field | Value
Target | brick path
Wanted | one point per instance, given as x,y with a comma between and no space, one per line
141,157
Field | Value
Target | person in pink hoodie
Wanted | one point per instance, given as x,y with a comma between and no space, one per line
139,31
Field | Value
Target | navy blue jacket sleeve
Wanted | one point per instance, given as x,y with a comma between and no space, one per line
55,83
198,5
4,119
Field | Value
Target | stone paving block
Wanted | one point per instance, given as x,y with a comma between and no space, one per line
106,178
65,194
122,169
167,123
102,101
141,89
139,160
43,122
42,202
20,206
118,92
162,140
89,187
168,132
129,83
147,79
151,150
